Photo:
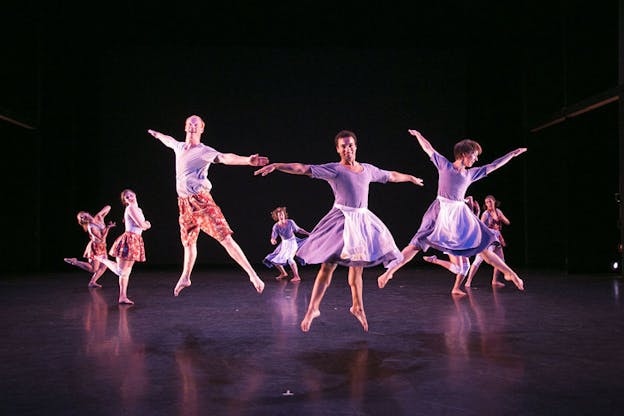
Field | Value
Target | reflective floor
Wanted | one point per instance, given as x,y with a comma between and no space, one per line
222,349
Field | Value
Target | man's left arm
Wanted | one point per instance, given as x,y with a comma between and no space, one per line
234,159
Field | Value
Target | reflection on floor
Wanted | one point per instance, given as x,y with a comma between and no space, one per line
222,349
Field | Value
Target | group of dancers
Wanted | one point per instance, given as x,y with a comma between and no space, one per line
348,235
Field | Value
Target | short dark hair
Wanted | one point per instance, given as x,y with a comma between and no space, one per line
465,147
344,134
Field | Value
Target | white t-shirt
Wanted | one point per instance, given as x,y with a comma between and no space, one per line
192,168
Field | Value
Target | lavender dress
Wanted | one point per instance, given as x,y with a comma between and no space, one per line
326,242
285,251
449,225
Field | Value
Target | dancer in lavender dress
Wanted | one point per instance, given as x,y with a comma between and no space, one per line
449,225
284,253
349,234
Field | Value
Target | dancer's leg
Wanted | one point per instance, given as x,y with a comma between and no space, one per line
295,270
496,262
237,254
282,271
495,282
321,283
86,266
408,254
126,268
461,264
112,265
444,263
190,255
473,269
357,308
100,268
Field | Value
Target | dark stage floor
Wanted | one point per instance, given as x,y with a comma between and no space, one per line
222,349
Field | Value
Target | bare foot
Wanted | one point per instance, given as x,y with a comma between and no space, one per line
94,285
308,318
382,280
258,284
458,292
496,283
125,301
182,284
516,280
468,283
70,260
361,316
430,259
295,279
281,276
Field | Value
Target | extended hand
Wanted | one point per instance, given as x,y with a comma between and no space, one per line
519,151
256,160
417,181
265,170
153,133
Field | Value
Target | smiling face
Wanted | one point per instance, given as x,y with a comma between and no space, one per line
128,197
346,147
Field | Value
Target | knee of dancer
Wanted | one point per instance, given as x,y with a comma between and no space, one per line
465,267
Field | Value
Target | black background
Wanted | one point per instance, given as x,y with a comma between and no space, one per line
85,85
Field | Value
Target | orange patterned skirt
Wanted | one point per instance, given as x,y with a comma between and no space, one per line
200,212
128,246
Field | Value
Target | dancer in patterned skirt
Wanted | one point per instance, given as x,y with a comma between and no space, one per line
128,247
198,211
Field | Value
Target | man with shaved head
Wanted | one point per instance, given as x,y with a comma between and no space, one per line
198,211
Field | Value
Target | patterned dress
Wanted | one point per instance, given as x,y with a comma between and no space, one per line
96,245
129,245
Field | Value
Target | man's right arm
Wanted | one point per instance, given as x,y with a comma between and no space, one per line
166,140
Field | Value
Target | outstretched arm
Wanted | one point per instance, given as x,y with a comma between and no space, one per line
292,168
501,161
166,140
424,143
403,177
234,159
103,212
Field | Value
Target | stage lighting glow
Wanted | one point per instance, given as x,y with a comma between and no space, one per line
615,265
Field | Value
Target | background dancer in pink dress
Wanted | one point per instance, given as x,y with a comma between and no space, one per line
494,218
98,231
349,234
